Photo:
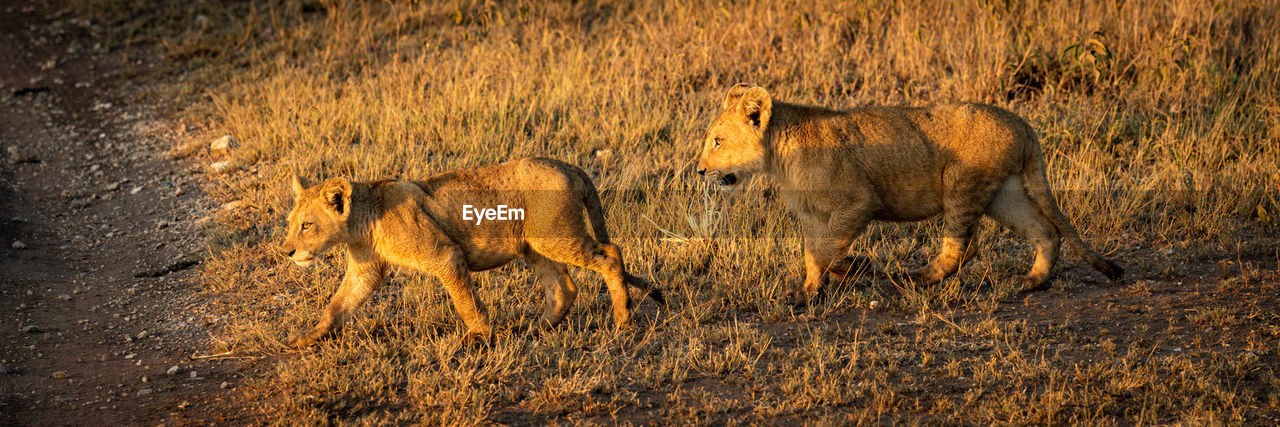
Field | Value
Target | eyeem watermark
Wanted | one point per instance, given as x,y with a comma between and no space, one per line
499,213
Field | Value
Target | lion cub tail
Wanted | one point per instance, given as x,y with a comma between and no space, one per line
595,211
1037,185
648,288
595,214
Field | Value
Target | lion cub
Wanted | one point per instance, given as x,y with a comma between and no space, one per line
838,170
454,223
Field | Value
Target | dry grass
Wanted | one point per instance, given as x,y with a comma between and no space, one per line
1160,123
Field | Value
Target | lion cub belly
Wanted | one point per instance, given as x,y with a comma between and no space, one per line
909,203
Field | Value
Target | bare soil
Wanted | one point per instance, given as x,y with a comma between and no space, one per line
99,236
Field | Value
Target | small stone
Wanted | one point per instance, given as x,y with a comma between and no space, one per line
7,370
224,385
136,190
32,329
145,379
64,297
172,370
220,167
230,206
874,305
113,186
142,334
17,244
144,392
223,145
60,374
193,374
602,155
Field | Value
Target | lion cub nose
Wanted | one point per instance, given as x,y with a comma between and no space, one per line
291,251
701,171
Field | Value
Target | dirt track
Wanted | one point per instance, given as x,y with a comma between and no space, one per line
85,186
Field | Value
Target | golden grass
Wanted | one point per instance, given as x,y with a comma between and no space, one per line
1160,124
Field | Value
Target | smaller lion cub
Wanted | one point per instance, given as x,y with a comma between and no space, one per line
457,222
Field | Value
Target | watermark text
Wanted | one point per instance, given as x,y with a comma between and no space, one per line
499,213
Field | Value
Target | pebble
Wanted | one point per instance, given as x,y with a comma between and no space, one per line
32,329
193,374
60,374
230,206
172,370
17,244
144,392
220,167
224,385
7,370
136,190
602,155
874,304
223,145
64,297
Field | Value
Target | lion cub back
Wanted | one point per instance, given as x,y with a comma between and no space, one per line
491,211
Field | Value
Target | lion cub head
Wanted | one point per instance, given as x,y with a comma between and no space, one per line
318,220
734,148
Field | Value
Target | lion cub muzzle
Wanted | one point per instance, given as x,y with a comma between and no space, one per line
725,181
303,258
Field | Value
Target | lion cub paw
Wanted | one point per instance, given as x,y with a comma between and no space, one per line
804,298
1031,284
299,341
925,276
477,339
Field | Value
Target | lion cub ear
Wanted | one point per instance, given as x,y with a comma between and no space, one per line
297,185
757,105
337,192
735,93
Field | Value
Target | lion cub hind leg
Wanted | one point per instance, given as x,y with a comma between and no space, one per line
560,289
1013,209
963,203
602,258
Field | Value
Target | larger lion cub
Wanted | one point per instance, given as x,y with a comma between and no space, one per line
454,223
840,169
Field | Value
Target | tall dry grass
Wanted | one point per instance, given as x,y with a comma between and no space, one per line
1160,124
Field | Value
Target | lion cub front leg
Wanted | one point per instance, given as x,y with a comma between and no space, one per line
449,264
826,245
363,276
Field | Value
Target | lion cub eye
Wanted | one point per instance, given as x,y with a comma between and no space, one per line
716,142
306,226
